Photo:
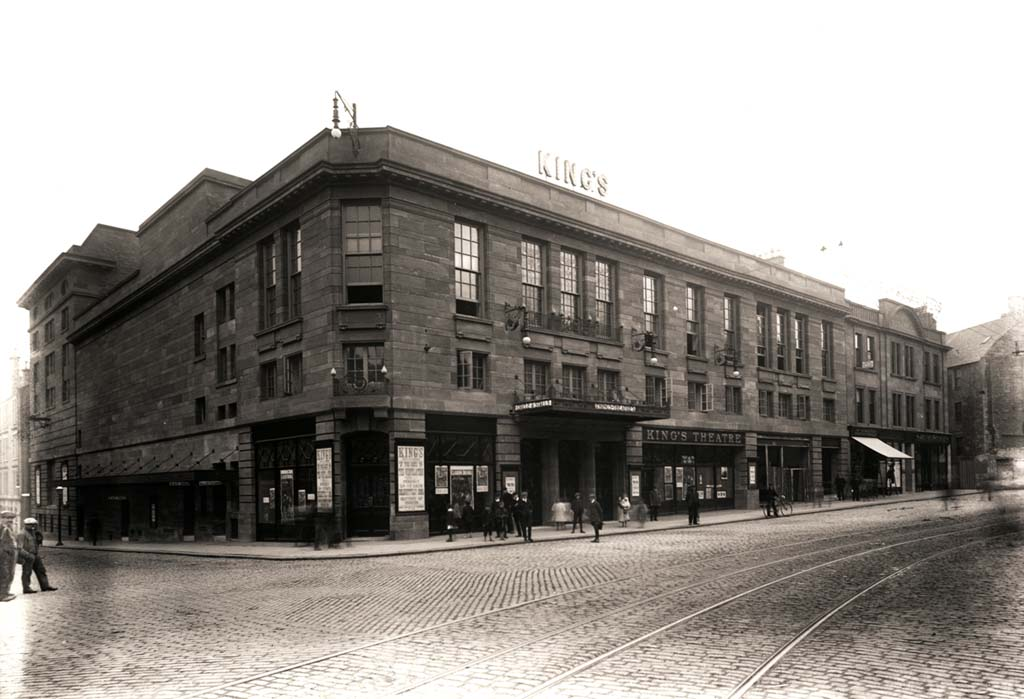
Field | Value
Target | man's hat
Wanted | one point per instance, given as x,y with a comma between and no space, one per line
31,520
7,513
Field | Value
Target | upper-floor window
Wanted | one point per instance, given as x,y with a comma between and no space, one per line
607,384
958,412
803,407
827,350
48,301
363,234
936,376
763,335
785,405
872,411
268,282
35,340
956,378
65,318
467,269
226,303
268,380
604,297
937,417
864,350
199,334
895,359
908,359
734,399
651,294
574,381
472,370
364,364
766,403
869,351
535,378
48,333
896,419
655,391
293,267
531,262
699,396
858,404
226,363
781,323
200,410
800,344
911,411
694,320
293,374
63,287
730,323
927,413
828,409
49,366
569,277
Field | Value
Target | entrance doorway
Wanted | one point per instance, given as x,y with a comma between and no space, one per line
366,456
609,458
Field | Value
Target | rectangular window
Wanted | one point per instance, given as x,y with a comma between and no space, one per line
605,298
268,380
363,365
908,356
268,283
574,381
531,261
827,350
51,397
858,349
936,376
49,366
35,340
294,243
785,405
956,379
858,404
467,269
608,385
765,403
363,233
65,318
199,335
872,410
762,335
803,407
472,370
694,320
828,409
800,344
655,391
569,278
200,410
535,378
869,352
651,294
226,303
958,412
734,399
897,410
927,412
65,383
937,419
895,359
911,411
293,374
232,410
730,324
699,396
226,363
781,323
927,366
48,333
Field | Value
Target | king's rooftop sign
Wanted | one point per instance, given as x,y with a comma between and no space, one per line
567,172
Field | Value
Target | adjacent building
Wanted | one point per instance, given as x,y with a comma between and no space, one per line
381,326
986,411
12,451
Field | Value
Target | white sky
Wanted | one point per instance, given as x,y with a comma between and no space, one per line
894,127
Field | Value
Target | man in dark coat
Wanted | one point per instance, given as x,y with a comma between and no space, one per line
8,554
577,513
596,517
30,543
500,515
693,505
840,488
517,513
771,502
654,502
526,517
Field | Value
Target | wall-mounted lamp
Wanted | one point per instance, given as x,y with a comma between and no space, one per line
515,319
334,373
642,341
726,357
384,371
353,127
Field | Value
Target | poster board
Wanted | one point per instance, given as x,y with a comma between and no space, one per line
325,478
411,477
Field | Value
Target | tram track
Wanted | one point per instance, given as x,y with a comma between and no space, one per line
858,539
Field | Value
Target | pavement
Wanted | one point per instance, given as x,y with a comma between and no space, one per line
380,546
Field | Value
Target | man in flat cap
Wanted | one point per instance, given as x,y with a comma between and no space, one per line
30,540
8,554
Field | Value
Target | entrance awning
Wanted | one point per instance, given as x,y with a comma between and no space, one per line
877,445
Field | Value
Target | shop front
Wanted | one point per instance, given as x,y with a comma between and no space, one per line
676,459
931,465
882,462
784,463
284,455
460,470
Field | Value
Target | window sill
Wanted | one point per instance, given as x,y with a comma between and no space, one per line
199,358
278,327
224,384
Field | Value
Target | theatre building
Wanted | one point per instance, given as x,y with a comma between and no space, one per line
899,438
381,327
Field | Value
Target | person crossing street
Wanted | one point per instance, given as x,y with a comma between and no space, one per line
30,543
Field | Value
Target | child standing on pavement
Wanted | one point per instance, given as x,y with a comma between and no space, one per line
624,506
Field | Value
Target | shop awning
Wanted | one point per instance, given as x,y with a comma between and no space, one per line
875,444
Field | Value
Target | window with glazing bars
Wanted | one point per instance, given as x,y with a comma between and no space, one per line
694,320
574,381
655,391
785,405
897,410
827,350
268,380
699,396
858,404
294,242
363,364
226,363
569,278
911,414
535,378
781,323
268,283
650,304
531,260
803,407
765,403
362,230
762,335
472,370
467,269
604,297
800,344
828,409
293,374
607,384
730,323
872,409
226,303
908,356
734,399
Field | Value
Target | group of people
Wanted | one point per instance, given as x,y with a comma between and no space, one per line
24,547
514,512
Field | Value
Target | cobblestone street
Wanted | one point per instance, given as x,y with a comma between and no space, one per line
504,620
